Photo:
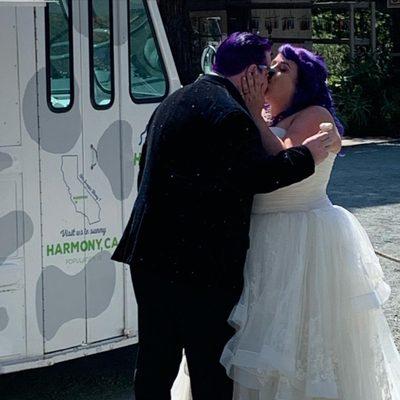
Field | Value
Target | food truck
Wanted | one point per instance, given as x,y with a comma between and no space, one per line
79,80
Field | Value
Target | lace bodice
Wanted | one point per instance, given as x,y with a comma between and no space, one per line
302,196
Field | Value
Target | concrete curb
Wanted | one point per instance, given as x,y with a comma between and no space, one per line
347,142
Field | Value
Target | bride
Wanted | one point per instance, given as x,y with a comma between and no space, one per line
309,323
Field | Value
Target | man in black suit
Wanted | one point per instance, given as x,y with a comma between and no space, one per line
187,238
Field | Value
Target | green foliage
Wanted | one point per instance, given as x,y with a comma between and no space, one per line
367,96
337,58
366,90
390,110
354,107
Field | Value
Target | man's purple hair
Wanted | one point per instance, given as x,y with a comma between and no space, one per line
238,51
311,87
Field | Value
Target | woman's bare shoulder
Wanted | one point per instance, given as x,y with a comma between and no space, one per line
306,122
312,114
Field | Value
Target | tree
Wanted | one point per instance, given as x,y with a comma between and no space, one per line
395,34
176,18
365,89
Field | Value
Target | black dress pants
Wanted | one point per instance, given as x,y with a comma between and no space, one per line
176,315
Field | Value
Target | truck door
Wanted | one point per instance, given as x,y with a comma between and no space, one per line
102,178
63,190
104,68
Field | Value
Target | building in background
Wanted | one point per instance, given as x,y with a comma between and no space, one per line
192,25
281,21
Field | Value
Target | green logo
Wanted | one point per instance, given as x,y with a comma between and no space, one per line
82,246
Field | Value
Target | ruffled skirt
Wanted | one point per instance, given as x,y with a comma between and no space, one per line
309,323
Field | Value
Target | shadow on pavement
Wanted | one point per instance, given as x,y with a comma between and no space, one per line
105,376
367,176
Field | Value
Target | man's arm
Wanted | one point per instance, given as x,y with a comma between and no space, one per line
250,168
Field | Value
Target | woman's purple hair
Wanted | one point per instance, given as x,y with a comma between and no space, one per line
311,87
238,51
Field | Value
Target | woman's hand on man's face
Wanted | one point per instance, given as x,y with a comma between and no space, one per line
254,84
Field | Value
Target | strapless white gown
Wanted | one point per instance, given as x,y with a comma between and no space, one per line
309,323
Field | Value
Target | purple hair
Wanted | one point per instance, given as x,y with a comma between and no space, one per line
238,51
311,86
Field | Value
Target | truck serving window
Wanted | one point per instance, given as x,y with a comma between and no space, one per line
147,76
101,53
59,61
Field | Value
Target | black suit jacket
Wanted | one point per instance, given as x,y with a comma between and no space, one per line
201,165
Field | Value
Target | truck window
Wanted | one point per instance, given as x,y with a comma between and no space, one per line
59,61
148,78
101,53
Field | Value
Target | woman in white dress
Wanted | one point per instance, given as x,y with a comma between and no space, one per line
309,324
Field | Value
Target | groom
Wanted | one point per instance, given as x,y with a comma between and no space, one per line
187,238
